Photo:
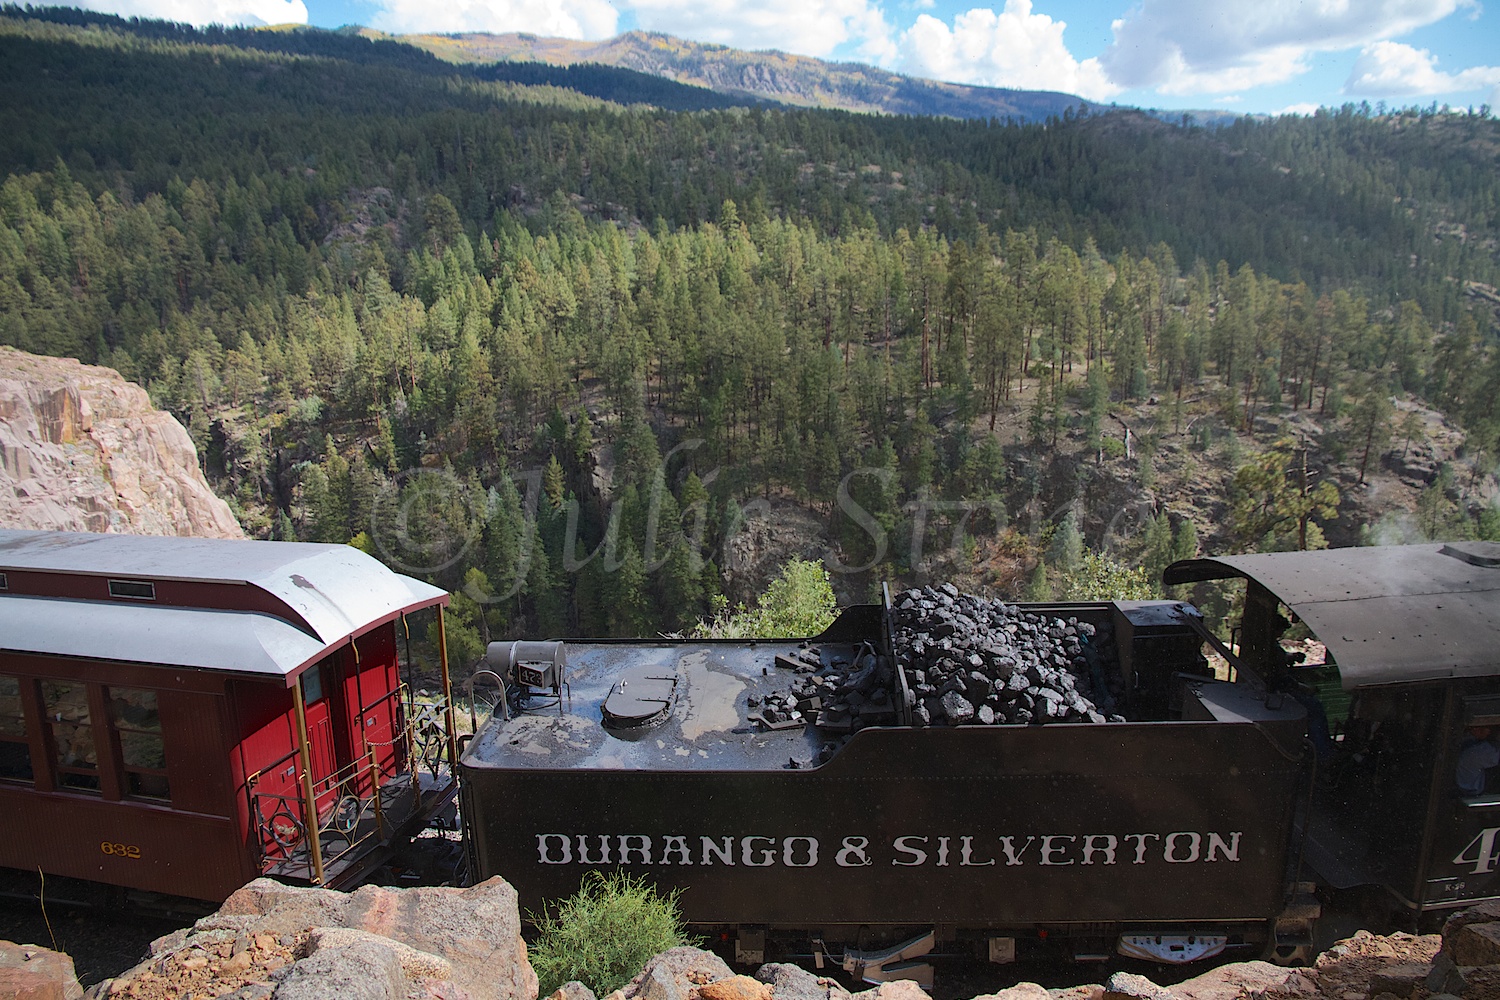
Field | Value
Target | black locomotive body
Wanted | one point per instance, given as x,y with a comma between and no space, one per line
1409,690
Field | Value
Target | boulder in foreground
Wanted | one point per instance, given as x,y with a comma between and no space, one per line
276,942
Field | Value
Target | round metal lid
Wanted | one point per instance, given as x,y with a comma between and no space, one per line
642,697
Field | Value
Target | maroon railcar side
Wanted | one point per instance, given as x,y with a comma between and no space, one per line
177,715
179,837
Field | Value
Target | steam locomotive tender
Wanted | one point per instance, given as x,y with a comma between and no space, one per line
1202,825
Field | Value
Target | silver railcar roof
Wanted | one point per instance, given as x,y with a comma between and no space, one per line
336,589
236,642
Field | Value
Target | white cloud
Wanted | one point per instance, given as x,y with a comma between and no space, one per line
590,19
1229,99
806,27
1014,48
1186,46
1397,70
1298,109
202,12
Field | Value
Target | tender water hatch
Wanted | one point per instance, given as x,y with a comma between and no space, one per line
641,699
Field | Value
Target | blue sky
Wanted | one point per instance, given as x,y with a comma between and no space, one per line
1265,56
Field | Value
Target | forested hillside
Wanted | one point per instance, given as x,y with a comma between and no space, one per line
556,352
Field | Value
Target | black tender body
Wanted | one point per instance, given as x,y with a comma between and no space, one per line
1179,825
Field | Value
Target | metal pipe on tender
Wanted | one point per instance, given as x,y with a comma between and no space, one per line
447,692
309,801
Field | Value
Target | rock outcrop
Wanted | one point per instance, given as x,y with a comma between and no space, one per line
275,942
688,973
28,972
81,449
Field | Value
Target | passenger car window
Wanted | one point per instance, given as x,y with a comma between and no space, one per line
67,710
137,725
15,749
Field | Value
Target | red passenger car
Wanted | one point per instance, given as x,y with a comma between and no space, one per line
176,714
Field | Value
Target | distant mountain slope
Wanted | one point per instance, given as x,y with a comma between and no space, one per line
372,49
634,68
775,76
612,83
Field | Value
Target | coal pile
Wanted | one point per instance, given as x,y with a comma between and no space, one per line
839,695
966,661
969,660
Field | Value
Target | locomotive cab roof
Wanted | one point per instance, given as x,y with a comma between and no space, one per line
1388,614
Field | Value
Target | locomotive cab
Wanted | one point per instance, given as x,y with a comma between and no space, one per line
1403,714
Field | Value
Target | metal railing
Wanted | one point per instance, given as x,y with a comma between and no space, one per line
353,802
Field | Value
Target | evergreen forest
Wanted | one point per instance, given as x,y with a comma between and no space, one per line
580,346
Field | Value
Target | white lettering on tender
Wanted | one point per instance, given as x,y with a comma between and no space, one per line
789,852
1216,846
544,854
674,844
1052,850
1169,851
642,847
852,854
918,856
1048,850
1140,845
966,855
1012,856
724,852
1107,848
583,851
749,853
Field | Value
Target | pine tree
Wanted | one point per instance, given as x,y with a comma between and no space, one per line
1184,542
1274,501
554,483
1370,421
629,604
1066,551
1037,587
1157,543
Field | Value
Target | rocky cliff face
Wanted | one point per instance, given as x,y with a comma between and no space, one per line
81,449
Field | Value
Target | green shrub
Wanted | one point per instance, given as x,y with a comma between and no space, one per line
604,933
798,603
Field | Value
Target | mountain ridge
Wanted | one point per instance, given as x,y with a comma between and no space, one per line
802,81
639,67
